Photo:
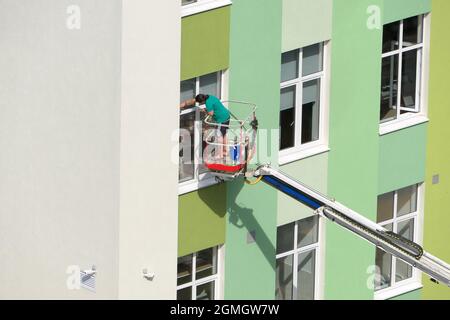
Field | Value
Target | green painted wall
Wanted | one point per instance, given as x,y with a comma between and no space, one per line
255,77
395,10
205,43
353,159
305,22
312,171
201,219
402,158
437,217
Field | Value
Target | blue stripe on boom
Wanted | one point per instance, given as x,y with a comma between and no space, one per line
292,192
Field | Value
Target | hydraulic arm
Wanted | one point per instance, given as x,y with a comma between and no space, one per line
390,242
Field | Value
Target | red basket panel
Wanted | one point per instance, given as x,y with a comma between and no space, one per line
224,167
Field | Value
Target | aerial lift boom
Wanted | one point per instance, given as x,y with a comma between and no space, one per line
242,133
398,246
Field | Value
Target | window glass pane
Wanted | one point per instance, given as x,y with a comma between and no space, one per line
311,111
312,59
210,85
407,200
284,280
306,275
287,118
308,231
205,291
289,65
206,264
403,271
412,31
184,270
389,88
206,132
385,207
186,164
184,294
285,238
391,33
409,78
187,90
406,229
383,262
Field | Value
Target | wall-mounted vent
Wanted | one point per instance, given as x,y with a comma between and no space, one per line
87,281
436,179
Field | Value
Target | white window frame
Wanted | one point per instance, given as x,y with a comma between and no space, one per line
201,6
216,278
318,265
202,180
421,109
301,151
415,282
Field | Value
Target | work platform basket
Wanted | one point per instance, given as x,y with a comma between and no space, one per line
227,156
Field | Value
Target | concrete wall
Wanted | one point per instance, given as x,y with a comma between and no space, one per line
149,176
59,142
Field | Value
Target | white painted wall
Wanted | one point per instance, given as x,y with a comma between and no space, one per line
85,143
59,147
151,38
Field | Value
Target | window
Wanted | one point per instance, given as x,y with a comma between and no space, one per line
397,211
197,277
401,74
297,260
190,7
301,99
191,169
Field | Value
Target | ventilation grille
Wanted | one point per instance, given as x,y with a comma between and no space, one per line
87,281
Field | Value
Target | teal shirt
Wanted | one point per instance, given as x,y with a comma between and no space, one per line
221,114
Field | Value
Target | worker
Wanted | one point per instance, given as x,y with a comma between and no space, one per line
217,110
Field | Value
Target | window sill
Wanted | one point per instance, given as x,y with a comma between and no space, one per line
390,293
190,186
400,124
195,8
302,154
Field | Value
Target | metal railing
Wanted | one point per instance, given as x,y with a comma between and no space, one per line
238,145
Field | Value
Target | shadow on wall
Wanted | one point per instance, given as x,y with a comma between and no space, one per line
242,217
215,198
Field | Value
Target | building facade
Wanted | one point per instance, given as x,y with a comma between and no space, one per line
349,85
94,171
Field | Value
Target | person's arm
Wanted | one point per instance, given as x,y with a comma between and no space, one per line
187,103
208,109
208,112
